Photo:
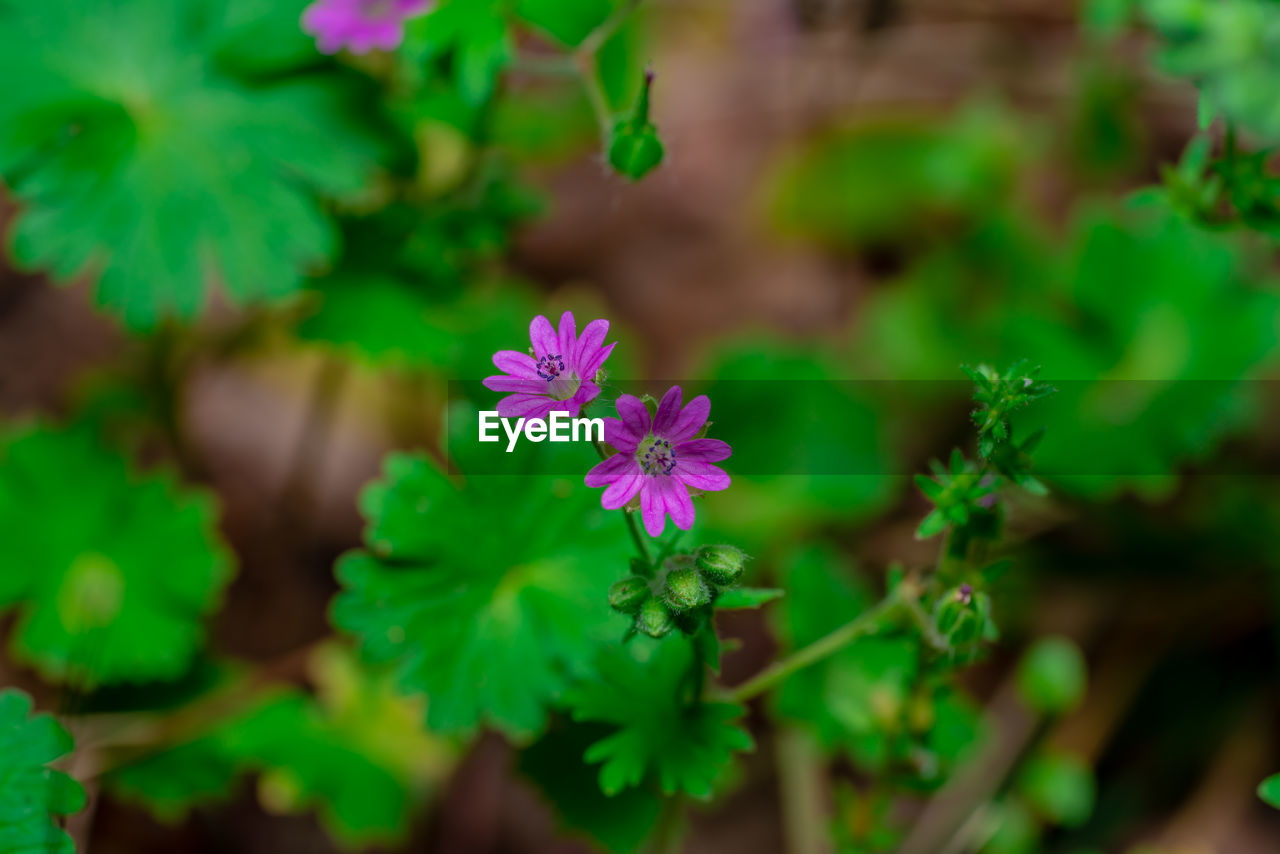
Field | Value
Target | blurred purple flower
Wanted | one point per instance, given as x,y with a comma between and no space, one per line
660,459
359,25
560,373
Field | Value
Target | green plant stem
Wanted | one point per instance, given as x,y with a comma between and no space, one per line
666,831
596,95
595,39
775,674
584,58
802,784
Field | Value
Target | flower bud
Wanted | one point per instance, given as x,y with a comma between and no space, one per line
956,619
721,565
628,594
654,618
685,589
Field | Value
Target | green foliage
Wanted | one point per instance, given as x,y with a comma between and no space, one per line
899,180
683,746
619,822
1059,787
875,700
111,573
956,491
491,627
1052,676
1269,790
471,38
356,755
1151,321
1228,47
165,149
1000,394
747,598
820,454
634,147
30,791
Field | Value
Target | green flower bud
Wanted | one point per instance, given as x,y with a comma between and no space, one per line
628,594
654,618
634,148
956,618
721,565
685,589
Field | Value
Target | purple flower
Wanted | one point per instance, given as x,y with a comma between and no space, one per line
660,459
560,373
359,25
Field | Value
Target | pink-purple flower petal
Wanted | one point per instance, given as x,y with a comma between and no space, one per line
633,413
700,475
668,411
526,406
703,450
622,490
610,468
544,338
690,420
504,383
652,508
662,462
568,337
516,364
676,501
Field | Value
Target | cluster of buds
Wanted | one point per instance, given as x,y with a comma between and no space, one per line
682,594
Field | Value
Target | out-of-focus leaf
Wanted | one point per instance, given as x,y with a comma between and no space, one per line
30,791
111,572
356,754
490,626
1051,676
144,156
1059,787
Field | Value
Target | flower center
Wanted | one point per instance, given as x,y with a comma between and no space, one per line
562,385
655,456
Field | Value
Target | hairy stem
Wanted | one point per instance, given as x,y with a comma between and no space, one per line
866,623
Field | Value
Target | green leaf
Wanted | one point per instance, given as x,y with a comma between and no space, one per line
112,572
619,823
1269,790
489,598
30,791
356,754
1059,787
740,598
474,35
1052,676
684,746
148,157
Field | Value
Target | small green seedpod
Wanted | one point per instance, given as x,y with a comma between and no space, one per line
685,589
721,565
629,594
654,618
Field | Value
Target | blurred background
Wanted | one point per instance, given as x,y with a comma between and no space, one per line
258,270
